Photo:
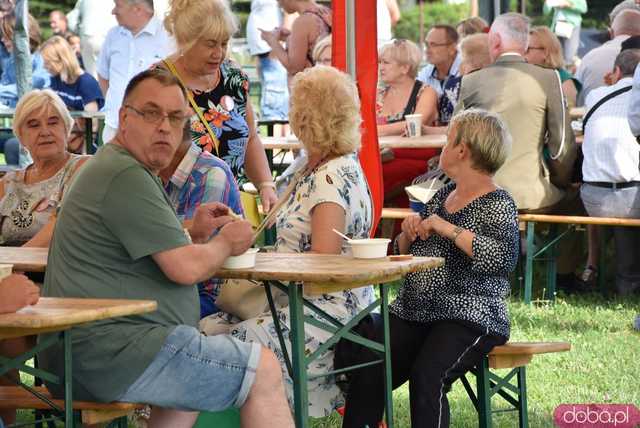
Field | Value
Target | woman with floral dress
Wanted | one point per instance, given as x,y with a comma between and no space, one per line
330,192
220,89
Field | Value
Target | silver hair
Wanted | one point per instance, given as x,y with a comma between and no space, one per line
627,22
623,5
513,27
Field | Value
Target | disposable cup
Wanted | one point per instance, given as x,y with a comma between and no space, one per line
414,124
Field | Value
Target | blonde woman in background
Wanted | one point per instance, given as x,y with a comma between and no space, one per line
322,52
312,24
545,50
202,29
79,90
403,94
472,25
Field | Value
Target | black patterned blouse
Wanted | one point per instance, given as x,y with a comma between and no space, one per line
464,288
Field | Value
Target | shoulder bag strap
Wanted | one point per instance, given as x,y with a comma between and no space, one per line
602,101
410,108
172,68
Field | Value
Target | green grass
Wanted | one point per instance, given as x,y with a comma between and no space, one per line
600,368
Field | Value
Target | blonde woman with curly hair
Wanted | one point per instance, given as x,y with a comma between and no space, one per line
329,192
545,50
220,89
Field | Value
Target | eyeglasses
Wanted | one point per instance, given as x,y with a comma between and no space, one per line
533,48
398,42
429,44
154,117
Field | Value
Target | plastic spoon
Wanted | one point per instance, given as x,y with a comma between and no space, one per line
342,235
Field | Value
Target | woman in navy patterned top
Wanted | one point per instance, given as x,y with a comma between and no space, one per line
446,320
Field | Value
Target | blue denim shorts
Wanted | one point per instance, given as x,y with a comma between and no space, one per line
198,373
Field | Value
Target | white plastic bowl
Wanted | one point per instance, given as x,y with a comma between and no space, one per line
245,260
373,248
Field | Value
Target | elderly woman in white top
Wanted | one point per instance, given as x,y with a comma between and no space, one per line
330,192
29,197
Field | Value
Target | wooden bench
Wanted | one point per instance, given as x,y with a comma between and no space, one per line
536,250
514,356
85,412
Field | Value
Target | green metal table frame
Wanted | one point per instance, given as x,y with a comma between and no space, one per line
489,384
299,361
538,249
20,363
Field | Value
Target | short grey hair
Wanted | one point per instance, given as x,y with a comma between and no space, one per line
626,22
627,61
623,5
513,27
37,100
486,136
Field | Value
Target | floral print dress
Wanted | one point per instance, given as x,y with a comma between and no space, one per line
340,181
225,109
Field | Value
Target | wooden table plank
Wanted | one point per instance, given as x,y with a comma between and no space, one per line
436,141
323,269
24,259
54,312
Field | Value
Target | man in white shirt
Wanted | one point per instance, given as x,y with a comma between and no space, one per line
138,42
599,61
442,57
91,20
610,169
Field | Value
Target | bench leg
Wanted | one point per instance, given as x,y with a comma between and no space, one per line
552,266
528,269
523,416
484,394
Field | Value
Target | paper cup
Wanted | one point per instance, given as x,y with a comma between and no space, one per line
5,270
414,125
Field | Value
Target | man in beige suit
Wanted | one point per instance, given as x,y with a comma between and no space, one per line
529,99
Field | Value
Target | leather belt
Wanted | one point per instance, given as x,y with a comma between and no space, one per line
613,186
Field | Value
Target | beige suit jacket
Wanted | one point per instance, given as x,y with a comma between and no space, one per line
529,100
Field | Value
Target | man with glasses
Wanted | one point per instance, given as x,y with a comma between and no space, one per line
441,46
117,236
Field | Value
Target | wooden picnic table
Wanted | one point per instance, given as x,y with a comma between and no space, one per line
322,273
56,314
60,315
26,259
